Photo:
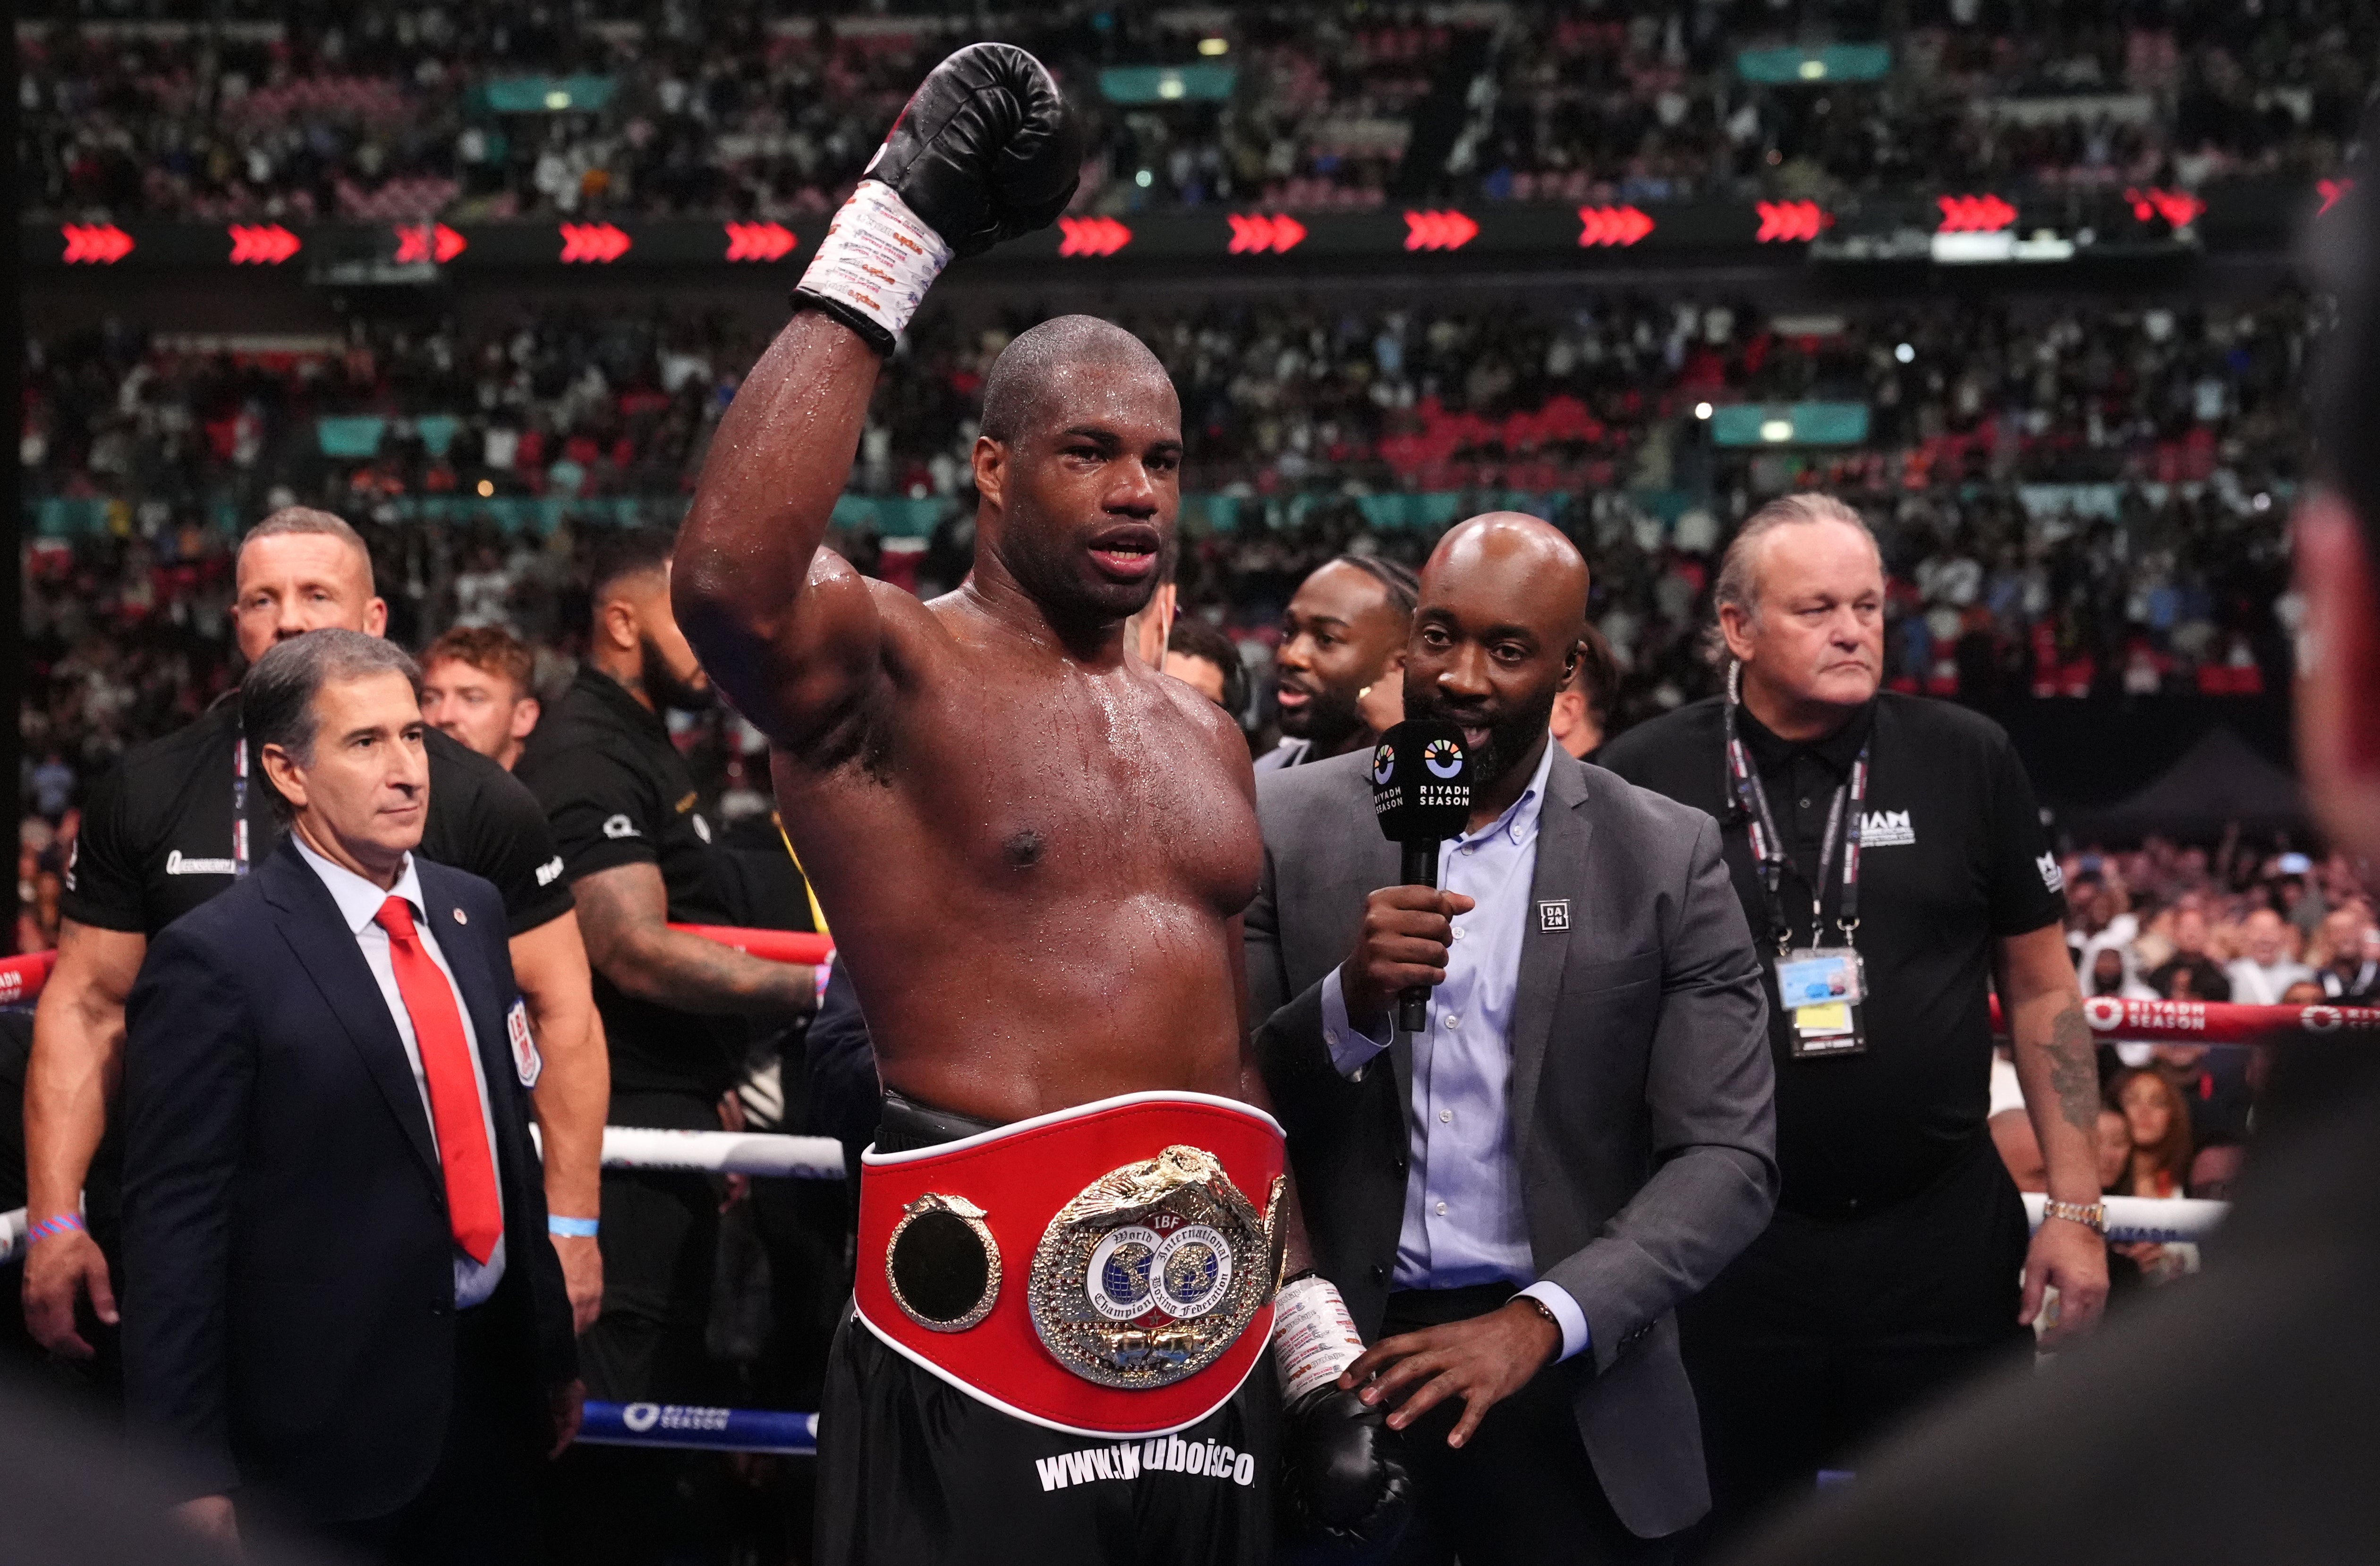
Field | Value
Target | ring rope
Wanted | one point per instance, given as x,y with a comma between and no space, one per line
709,1430
2112,1020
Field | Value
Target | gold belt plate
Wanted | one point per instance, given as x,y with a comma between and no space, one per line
1153,1270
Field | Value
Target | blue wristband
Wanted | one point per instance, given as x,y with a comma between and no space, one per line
570,1228
51,1227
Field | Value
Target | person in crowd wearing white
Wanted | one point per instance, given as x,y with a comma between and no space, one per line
2265,966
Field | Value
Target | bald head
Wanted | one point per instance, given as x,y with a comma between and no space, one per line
1525,557
1048,370
1495,638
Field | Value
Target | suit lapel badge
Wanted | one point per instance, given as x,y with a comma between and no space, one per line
1554,914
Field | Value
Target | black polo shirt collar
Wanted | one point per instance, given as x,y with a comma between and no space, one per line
623,703
1836,752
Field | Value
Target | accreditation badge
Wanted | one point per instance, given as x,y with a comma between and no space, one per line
1822,989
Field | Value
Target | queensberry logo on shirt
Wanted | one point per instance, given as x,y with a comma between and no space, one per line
179,864
1887,829
2051,875
550,871
620,826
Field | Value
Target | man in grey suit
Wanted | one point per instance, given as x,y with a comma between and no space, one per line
1519,1194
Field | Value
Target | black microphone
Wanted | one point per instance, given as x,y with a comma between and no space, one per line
1421,791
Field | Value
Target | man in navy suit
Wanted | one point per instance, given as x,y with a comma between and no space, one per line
339,1300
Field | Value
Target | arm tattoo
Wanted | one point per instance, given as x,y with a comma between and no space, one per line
622,912
2074,1069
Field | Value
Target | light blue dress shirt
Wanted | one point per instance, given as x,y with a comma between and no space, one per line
359,902
1463,1220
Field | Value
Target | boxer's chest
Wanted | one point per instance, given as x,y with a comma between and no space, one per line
1113,792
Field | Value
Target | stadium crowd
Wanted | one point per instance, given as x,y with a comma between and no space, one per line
392,111
2071,496
2063,491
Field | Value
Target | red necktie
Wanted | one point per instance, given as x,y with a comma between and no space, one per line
471,1205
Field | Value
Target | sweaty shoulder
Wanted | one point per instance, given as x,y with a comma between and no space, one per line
1212,723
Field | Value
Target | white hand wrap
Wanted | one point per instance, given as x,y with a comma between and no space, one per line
877,257
1313,1337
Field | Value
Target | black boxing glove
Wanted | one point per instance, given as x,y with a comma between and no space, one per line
984,150
1342,1473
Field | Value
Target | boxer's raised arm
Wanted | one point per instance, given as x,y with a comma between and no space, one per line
983,150
786,630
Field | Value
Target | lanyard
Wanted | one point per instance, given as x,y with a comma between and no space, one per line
238,804
1768,848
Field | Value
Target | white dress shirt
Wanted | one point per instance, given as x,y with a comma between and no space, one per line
1464,1223
360,904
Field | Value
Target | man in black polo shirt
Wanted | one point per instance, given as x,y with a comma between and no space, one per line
1890,859
639,856
178,821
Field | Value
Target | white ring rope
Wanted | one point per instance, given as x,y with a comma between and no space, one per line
723,1153
2129,1219
637,1146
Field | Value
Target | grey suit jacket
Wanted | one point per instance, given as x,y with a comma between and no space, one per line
1641,1088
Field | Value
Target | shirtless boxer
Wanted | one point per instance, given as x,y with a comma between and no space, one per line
1034,851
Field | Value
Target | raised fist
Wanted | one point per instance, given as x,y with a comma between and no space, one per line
984,149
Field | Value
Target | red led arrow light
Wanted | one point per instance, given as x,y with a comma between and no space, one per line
1974,215
758,241
1255,233
1092,236
597,242
99,244
262,244
1438,231
1611,226
2329,189
2179,208
429,242
1782,222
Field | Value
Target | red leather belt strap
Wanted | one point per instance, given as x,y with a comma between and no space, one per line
1011,1184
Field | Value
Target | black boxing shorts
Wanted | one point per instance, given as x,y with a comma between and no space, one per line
1138,1422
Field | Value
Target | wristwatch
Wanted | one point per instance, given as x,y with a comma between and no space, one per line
2093,1216
1551,1319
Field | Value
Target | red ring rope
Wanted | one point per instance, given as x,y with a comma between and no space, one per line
2210,1022
22,979
771,945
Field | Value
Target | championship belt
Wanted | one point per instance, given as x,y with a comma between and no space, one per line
1107,1271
